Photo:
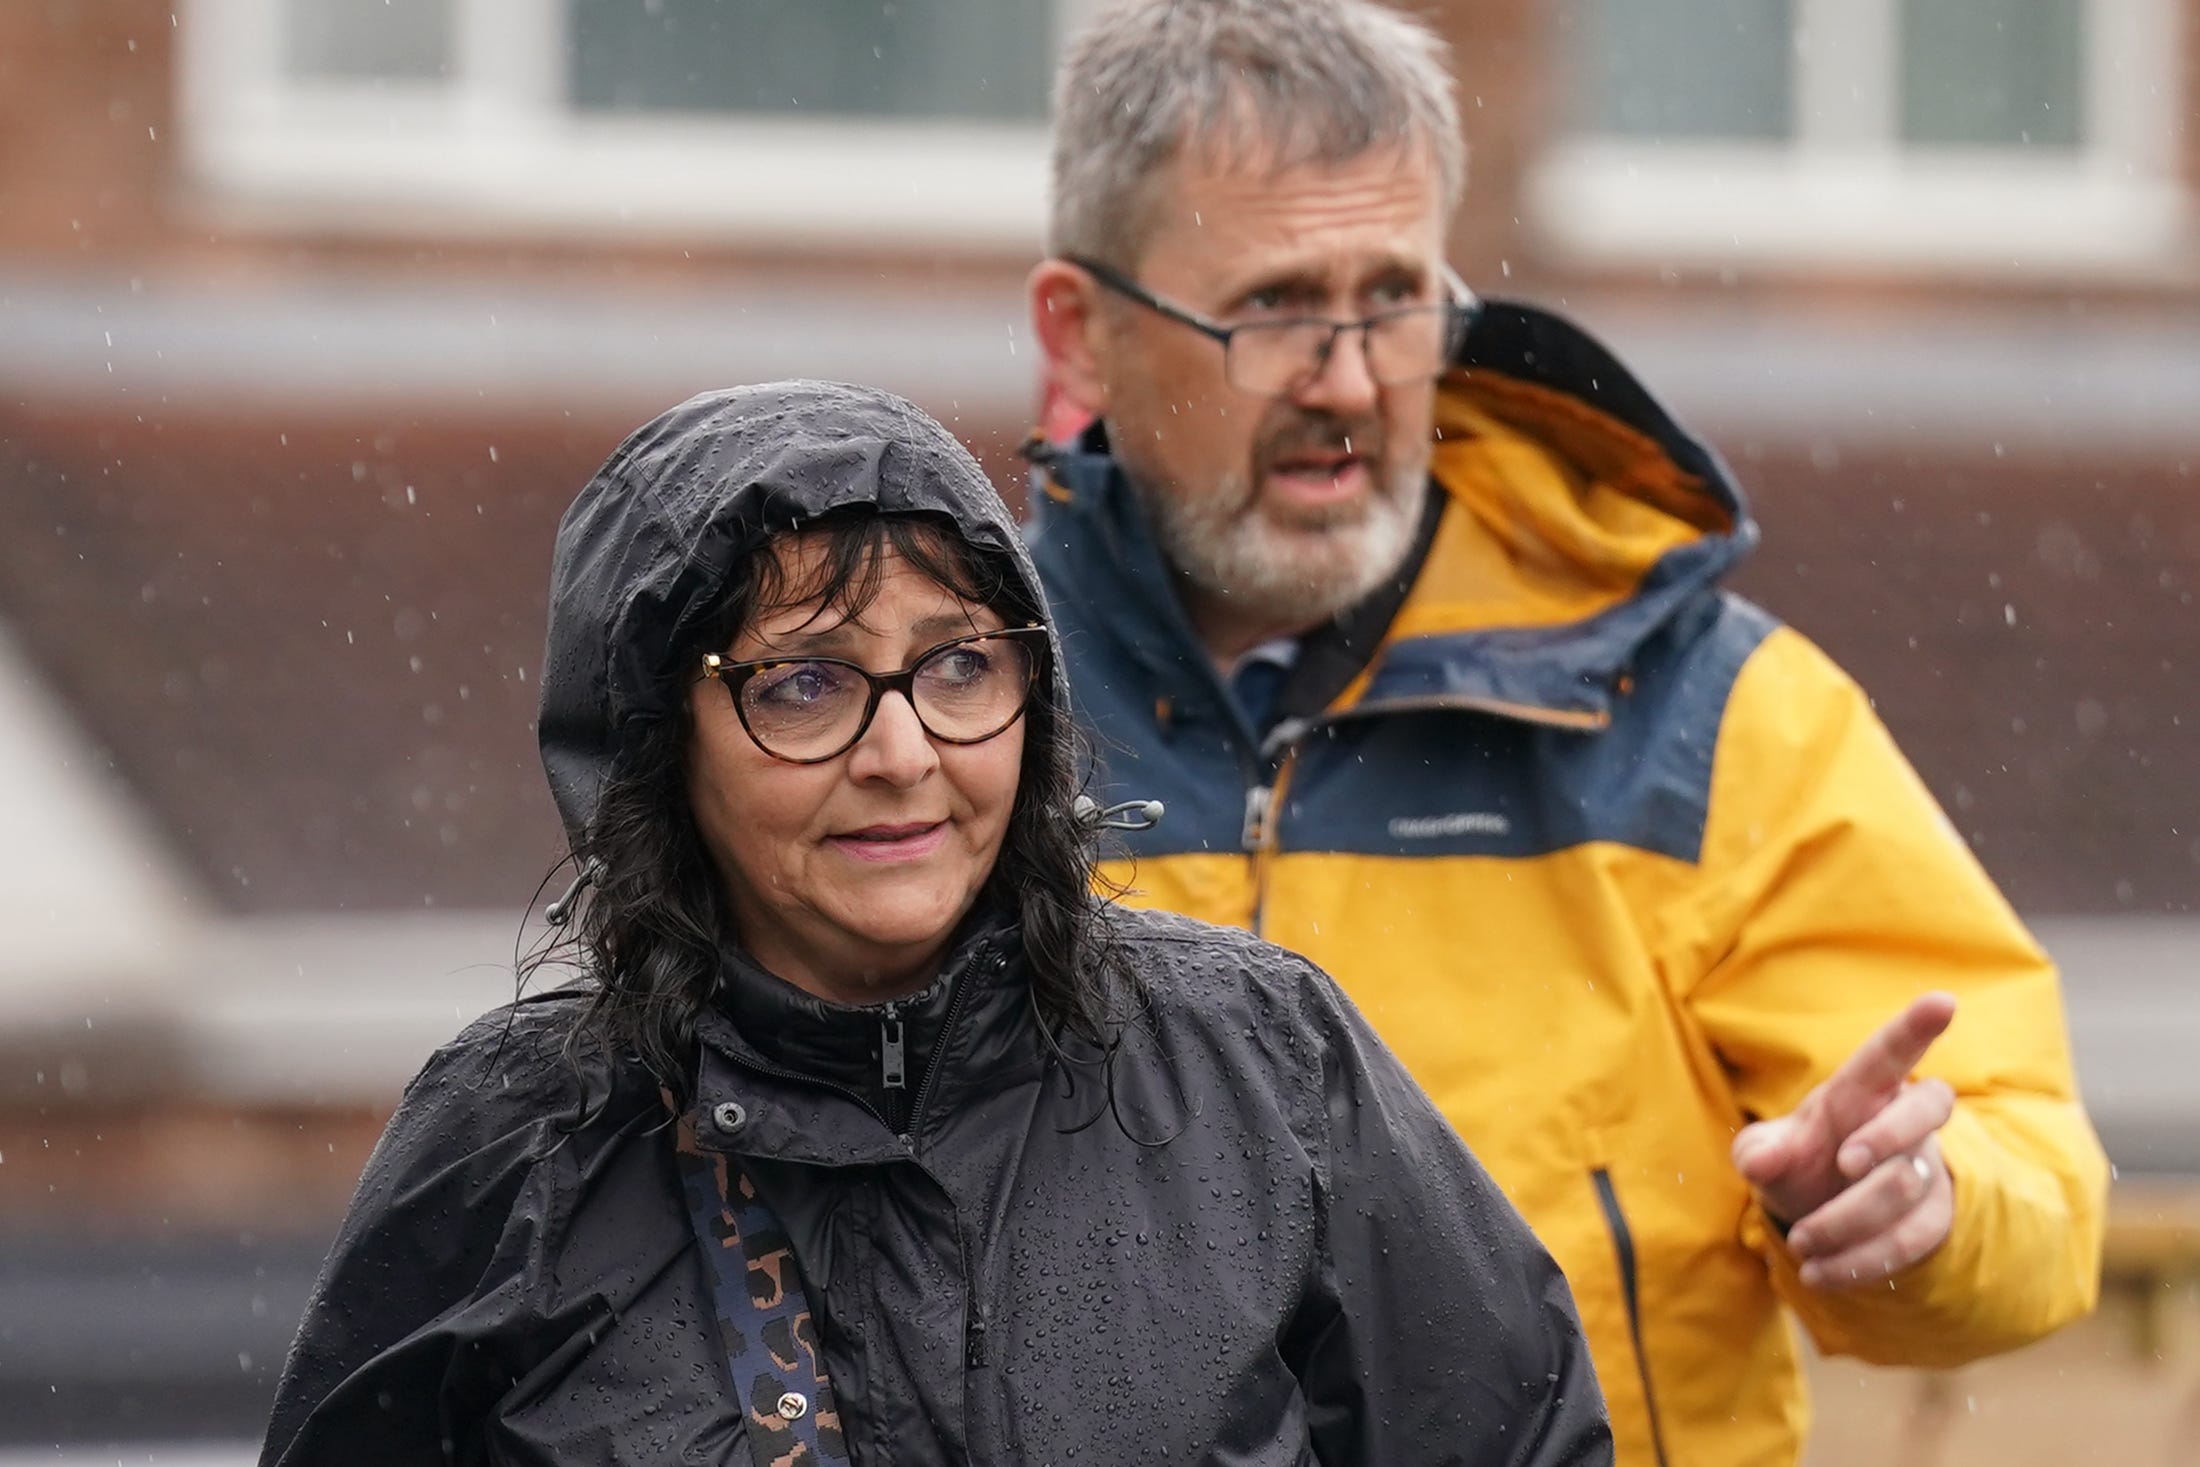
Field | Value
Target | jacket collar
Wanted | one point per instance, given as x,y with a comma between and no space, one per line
808,1076
1580,520
873,1050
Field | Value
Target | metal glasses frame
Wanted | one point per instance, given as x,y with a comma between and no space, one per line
1460,308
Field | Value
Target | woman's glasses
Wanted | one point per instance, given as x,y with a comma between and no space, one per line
810,709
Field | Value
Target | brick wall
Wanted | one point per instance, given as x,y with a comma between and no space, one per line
88,145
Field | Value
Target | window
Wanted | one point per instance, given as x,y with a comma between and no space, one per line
918,59
908,119
392,39
2033,134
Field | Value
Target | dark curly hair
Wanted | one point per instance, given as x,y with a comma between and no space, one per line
649,932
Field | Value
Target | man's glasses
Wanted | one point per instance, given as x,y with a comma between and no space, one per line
810,709
1405,345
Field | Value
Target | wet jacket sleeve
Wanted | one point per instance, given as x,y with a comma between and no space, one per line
390,1366
1836,892
1437,1330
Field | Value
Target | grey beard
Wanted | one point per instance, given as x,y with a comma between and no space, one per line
1299,574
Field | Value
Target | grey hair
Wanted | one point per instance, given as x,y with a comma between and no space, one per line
1290,82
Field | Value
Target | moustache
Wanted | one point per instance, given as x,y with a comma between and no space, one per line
1293,432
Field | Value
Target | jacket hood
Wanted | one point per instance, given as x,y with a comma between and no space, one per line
649,551
1585,522
1582,520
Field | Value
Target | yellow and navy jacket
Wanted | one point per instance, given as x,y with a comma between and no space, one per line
1616,863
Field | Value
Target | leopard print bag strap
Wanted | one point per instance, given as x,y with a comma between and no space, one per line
765,1324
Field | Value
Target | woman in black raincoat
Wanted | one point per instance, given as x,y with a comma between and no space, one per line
868,1134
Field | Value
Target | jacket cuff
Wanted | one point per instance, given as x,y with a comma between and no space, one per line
1950,1307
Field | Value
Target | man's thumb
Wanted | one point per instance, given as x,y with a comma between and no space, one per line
1760,1151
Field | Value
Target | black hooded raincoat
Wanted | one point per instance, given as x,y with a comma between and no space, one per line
1248,1240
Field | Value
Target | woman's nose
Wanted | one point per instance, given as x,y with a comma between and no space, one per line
895,748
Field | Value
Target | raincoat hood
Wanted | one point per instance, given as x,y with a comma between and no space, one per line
649,552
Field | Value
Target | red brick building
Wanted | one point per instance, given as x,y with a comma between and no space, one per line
315,313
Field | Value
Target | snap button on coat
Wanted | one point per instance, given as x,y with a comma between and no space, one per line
729,1116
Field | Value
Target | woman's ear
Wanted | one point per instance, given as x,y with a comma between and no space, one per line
1065,319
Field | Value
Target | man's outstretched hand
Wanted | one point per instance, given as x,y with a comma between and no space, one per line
1856,1170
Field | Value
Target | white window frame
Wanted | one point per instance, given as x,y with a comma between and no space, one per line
1846,191
496,149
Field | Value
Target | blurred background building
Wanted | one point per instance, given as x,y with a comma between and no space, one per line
315,313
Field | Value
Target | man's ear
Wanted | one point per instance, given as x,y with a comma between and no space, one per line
1066,322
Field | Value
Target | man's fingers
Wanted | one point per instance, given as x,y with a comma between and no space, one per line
1860,1088
1916,1112
1866,1210
1911,1238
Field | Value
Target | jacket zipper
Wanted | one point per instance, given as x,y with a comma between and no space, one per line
1257,834
974,1324
1263,804
1257,831
1254,830
990,960
1623,1244
974,1334
894,1074
893,1059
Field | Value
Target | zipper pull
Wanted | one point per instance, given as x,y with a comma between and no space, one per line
974,1341
893,1060
1254,833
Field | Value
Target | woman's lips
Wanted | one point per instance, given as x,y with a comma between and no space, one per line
887,843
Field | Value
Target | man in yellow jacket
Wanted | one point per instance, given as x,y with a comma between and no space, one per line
1407,608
